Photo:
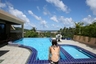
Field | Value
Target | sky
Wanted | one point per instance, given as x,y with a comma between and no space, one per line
51,14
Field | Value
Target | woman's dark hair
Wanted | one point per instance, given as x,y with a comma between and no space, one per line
54,42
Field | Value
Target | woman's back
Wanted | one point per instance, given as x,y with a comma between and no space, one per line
55,53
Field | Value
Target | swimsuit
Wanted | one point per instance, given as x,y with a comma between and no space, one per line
54,62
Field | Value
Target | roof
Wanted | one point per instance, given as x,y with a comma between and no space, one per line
10,18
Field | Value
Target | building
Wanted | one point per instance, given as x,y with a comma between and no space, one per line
6,22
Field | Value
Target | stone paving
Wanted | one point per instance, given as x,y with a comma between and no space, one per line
91,49
16,55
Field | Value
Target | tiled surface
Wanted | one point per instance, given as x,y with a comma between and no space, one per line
16,55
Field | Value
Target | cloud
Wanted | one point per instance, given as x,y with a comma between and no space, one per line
59,4
22,16
54,18
38,8
36,17
29,25
56,26
46,12
68,22
43,22
18,14
88,20
92,5
2,5
7,5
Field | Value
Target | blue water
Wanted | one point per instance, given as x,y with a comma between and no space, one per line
62,56
40,44
77,54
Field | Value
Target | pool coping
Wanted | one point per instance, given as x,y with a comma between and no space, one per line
70,59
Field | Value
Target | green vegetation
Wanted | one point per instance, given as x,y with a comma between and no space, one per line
80,29
67,32
88,30
33,33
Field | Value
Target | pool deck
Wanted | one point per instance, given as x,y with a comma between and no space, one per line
15,55
18,55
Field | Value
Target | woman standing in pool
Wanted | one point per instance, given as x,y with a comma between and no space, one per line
54,52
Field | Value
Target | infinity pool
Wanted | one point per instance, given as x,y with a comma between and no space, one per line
68,53
40,44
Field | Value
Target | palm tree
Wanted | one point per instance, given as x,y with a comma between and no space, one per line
78,27
33,29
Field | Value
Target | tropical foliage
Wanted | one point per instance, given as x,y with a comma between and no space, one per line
80,29
67,32
88,30
31,33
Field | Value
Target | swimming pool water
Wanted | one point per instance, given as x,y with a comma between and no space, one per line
62,56
40,44
68,53
74,52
